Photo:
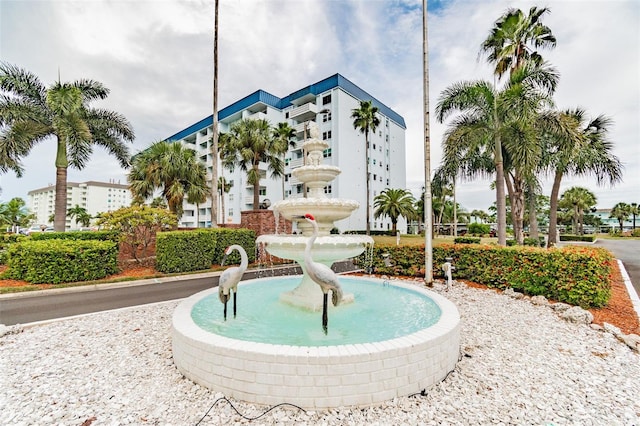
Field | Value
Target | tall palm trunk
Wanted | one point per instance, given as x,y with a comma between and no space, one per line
366,159
553,210
60,220
256,190
515,188
533,217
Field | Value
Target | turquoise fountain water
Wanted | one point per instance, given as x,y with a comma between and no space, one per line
380,311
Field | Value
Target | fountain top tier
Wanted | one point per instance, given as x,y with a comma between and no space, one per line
316,177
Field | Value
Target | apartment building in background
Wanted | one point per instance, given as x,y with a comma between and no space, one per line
94,197
328,103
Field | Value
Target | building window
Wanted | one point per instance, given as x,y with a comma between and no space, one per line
286,114
386,138
327,189
326,153
374,161
326,117
374,146
387,182
299,189
286,161
326,99
230,212
230,197
375,177
387,167
263,191
326,135
386,123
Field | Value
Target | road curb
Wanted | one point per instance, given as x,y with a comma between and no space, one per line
633,295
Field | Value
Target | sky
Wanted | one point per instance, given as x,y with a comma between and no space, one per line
156,57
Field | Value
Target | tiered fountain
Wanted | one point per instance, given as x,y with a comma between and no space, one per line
392,339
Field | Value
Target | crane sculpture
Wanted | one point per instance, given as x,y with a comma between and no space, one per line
230,278
321,274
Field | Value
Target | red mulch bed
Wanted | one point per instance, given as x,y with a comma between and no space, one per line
618,312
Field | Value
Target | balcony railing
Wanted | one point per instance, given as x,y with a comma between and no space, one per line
307,110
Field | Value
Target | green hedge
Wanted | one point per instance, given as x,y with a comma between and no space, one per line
585,238
575,275
76,235
466,240
196,250
479,228
61,261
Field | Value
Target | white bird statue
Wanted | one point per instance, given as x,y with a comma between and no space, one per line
321,274
229,279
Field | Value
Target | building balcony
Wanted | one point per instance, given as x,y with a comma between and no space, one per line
254,116
304,112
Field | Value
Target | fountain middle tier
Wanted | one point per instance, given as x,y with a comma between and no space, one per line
326,250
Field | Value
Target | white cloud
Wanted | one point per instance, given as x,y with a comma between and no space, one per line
156,57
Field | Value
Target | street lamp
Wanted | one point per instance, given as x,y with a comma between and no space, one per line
265,204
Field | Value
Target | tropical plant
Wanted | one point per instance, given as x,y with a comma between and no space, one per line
578,200
31,113
80,214
494,132
365,119
578,147
285,134
393,203
512,40
621,212
172,168
251,142
15,214
137,226
158,203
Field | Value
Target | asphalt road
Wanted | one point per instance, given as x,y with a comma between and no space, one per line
628,251
23,308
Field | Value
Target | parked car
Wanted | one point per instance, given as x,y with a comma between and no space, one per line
35,228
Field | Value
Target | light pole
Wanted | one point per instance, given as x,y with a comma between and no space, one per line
428,276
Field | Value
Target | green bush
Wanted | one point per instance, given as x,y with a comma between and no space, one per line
61,261
479,228
76,235
575,275
511,243
533,242
635,232
196,250
585,238
466,240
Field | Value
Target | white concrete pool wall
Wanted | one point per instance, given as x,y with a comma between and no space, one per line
317,377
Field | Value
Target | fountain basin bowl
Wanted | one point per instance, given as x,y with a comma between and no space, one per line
325,210
326,249
317,377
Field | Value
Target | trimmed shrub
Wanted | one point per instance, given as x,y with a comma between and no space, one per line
533,242
575,275
466,240
479,228
61,261
196,250
585,238
76,235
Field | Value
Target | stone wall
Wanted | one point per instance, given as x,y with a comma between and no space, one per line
263,222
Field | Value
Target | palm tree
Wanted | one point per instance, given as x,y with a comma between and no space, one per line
512,40
621,211
365,119
157,203
80,214
285,134
580,147
494,133
15,214
252,142
577,199
172,168
394,203
30,113
634,211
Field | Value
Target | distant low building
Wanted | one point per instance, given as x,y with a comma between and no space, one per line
94,197
611,222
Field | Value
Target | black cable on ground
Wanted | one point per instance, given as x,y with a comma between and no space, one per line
242,415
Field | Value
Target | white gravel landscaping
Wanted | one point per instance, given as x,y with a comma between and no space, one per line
520,365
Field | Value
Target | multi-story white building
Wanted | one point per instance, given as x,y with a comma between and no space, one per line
329,103
94,197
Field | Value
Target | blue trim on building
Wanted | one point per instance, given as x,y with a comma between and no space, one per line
260,96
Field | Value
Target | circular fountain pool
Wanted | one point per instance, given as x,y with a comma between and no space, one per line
398,350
